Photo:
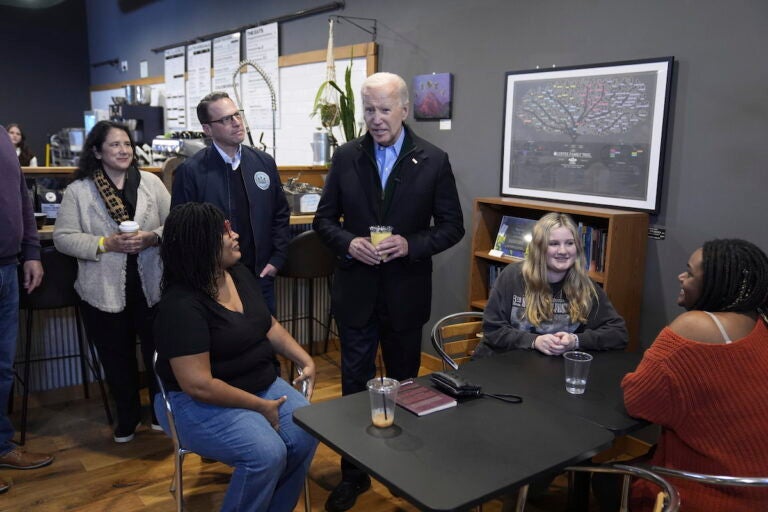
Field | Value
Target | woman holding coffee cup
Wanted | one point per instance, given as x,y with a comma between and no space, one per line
111,220
548,302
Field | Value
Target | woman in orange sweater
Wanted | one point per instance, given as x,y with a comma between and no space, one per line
704,380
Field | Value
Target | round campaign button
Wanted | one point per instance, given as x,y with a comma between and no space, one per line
262,180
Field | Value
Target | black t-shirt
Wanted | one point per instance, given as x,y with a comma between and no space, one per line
189,322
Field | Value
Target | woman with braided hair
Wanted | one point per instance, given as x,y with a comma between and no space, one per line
704,380
216,343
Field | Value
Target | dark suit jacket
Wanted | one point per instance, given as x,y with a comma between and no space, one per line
420,203
205,178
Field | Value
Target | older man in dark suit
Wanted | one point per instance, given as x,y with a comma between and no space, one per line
382,294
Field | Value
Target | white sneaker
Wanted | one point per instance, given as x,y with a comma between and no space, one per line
125,436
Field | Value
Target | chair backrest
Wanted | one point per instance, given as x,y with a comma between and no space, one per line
168,409
58,287
668,499
308,257
735,481
169,170
454,337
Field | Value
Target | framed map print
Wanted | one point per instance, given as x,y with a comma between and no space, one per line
590,134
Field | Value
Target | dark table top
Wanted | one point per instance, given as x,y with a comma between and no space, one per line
459,457
531,374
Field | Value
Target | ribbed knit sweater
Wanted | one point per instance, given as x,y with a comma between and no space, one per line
711,401
18,233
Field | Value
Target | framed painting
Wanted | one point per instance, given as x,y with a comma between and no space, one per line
432,96
591,134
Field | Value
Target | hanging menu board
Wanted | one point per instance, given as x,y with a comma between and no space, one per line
198,79
175,94
226,57
261,47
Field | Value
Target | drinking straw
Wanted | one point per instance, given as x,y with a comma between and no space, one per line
381,376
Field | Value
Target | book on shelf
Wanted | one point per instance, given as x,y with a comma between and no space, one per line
422,399
494,270
513,237
594,242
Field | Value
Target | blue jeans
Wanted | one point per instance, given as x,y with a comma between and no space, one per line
270,465
9,327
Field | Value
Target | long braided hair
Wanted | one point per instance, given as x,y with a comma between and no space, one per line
735,277
191,248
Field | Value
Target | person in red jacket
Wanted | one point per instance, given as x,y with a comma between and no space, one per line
704,380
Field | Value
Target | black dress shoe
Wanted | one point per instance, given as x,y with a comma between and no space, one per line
344,496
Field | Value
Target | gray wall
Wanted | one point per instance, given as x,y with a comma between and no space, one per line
714,180
44,70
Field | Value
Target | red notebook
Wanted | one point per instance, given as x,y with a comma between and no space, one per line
420,399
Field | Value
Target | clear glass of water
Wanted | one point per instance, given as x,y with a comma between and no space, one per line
576,371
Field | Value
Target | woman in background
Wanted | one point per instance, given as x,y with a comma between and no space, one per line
119,274
548,302
704,380
26,157
216,343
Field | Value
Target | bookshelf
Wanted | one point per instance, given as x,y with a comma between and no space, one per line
624,269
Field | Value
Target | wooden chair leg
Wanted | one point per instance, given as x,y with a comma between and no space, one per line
25,382
522,497
95,365
294,316
311,316
625,494
307,500
329,320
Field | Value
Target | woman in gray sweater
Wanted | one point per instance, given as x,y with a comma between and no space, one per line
548,302
118,273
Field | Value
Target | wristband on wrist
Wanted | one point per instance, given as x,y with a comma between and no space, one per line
533,344
102,249
158,239
576,338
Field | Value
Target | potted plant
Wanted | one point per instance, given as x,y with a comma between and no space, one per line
341,113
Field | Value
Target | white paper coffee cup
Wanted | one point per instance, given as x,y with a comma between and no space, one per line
128,226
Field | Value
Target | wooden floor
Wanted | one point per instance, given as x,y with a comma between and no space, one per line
93,473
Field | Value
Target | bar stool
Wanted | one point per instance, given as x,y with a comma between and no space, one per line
56,291
308,258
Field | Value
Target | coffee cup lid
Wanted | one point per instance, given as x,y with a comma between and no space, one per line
129,225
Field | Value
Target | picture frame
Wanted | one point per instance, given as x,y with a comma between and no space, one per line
432,96
592,134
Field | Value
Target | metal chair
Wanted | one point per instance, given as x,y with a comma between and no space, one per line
736,481
57,291
668,499
308,258
719,480
177,482
455,336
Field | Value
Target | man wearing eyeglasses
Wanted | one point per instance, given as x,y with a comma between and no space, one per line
244,183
